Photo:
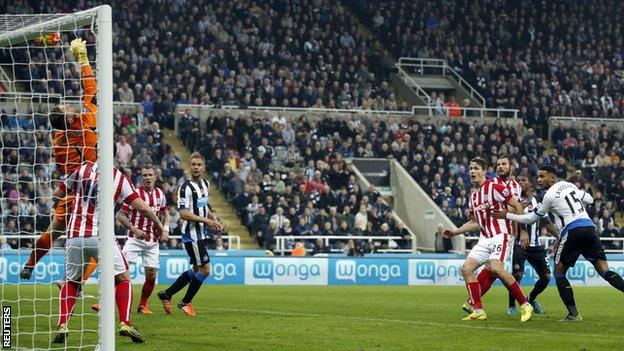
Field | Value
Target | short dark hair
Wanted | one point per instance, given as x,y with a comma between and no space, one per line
148,166
481,162
57,118
550,169
503,156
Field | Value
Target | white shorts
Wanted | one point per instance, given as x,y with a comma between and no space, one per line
80,251
497,248
136,249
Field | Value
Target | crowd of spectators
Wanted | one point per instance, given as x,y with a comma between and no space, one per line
526,55
276,162
270,53
292,177
547,58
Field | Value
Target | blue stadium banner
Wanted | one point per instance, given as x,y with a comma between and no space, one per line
236,269
362,271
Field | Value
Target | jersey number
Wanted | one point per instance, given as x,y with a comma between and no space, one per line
572,196
496,248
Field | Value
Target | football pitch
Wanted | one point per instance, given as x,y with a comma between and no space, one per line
338,318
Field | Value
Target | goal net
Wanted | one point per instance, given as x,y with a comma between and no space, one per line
43,82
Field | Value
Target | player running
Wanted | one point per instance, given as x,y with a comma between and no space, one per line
75,142
565,203
493,246
82,245
534,252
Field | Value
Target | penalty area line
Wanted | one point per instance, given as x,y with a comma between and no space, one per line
403,321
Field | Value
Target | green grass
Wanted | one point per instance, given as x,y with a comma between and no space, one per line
345,318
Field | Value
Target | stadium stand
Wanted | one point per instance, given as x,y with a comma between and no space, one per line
315,54
519,54
259,53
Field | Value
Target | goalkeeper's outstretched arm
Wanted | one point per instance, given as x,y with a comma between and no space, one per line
79,50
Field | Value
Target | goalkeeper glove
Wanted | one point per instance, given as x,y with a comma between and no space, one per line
78,47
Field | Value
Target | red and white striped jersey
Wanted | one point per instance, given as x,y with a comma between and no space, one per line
483,201
83,185
511,184
516,190
156,200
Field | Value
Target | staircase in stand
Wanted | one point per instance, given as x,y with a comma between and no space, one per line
223,209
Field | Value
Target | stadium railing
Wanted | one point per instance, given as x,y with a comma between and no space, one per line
280,241
233,240
547,241
577,122
423,66
480,112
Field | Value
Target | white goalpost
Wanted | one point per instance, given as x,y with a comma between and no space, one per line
38,72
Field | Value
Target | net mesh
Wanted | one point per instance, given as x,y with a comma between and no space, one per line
37,73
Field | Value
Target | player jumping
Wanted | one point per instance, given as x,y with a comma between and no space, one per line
75,142
566,205
493,246
82,245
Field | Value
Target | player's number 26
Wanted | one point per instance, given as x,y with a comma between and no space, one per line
497,248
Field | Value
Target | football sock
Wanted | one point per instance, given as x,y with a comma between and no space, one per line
517,293
67,297
42,246
485,279
614,279
512,300
148,287
194,286
540,285
474,293
566,293
180,283
123,298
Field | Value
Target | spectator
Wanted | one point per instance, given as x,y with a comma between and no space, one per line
124,151
320,247
452,108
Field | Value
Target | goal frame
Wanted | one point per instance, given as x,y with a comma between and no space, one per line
102,15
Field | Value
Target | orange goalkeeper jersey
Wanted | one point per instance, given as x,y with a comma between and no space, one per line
78,143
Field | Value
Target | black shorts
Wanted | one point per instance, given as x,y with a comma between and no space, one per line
536,255
579,241
198,252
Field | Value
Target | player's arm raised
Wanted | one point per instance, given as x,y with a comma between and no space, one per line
78,48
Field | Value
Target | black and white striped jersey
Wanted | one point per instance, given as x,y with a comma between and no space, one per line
193,196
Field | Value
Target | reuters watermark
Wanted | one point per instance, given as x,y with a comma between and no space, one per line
6,327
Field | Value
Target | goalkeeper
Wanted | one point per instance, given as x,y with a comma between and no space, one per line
74,142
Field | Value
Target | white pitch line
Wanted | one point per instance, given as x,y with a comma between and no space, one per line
403,321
